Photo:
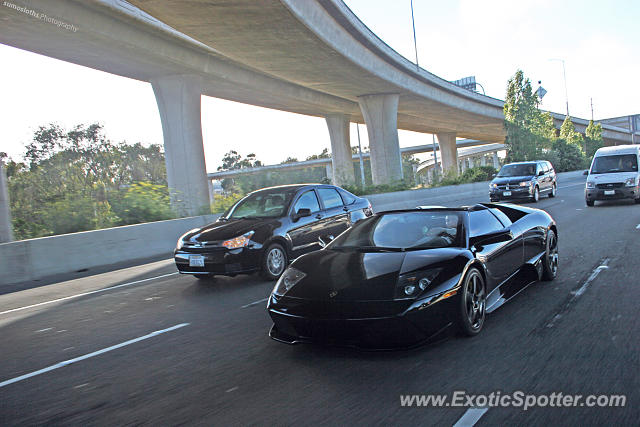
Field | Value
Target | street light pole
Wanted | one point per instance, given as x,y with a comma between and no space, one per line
415,44
564,74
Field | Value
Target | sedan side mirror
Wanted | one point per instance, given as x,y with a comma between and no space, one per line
540,173
302,212
585,173
493,175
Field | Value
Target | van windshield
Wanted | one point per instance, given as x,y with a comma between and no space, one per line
617,163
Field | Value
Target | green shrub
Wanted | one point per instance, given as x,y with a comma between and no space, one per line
221,202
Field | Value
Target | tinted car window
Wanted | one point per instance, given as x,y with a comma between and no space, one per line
483,222
545,167
527,169
262,204
550,166
307,200
348,198
406,230
616,163
330,197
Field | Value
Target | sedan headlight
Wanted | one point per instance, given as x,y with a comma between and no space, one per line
411,285
630,182
591,184
180,243
238,242
288,280
525,183
493,185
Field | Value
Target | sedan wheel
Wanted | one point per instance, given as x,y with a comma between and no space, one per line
550,260
473,302
274,262
553,191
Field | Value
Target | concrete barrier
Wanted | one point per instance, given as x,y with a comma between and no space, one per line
33,259
37,258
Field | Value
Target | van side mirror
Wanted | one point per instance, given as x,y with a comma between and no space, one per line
585,172
302,212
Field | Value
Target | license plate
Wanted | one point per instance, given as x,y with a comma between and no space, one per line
506,193
609,192
196,261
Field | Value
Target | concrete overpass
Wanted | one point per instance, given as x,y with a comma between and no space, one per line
312,57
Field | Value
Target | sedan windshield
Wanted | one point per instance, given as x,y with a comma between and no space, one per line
611,164
403,231
262,204
526,169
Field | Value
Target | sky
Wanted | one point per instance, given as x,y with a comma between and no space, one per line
490,40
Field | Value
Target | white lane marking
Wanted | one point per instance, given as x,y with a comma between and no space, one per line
581,290
471,417
87,356
44,330
232,389
255,302
86,293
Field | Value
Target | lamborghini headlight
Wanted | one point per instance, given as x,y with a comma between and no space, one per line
411,285
238,242
288,280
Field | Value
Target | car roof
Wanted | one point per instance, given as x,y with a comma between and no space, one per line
618,149
476,207
529,162
292,187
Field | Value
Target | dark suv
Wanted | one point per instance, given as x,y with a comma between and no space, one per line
523,180
268,228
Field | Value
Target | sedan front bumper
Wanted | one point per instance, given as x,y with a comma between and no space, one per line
220,261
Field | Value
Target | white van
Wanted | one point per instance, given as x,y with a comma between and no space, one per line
614,174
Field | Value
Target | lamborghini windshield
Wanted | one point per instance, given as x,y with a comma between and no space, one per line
404,231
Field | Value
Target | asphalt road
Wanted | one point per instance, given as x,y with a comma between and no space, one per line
211,361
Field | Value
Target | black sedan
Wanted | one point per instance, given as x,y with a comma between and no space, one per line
267,228
524,180
401,277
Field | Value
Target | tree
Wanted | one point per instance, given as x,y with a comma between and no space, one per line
323,155
75,180
569,134
529,131
593,139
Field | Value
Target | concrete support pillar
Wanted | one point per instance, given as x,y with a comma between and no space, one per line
483,161
338,125
448,151
496,161
381,117
178,99
6,231
330,171
464,166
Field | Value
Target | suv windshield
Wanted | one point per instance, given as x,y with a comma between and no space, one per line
618,163
526,169
403,230
262,204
